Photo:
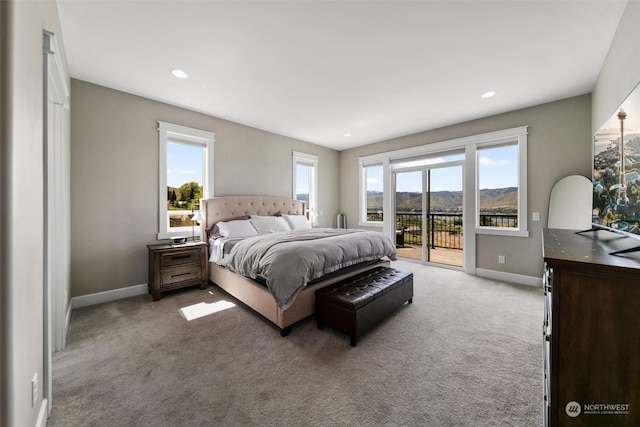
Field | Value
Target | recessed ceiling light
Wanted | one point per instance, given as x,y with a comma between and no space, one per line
488,94
347,135
179,73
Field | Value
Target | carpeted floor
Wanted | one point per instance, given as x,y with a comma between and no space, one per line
467,352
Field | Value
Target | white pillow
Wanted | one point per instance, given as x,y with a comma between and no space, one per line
269,224
297,222
237,228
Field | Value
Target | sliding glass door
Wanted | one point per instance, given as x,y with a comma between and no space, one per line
410,214
428,210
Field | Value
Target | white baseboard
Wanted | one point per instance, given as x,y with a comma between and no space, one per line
116,294
510,277
42,414
106,296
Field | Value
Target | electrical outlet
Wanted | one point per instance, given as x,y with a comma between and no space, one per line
34,389
501,259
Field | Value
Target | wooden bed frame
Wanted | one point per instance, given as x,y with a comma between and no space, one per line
249,292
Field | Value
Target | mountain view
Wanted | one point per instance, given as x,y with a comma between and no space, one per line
492,201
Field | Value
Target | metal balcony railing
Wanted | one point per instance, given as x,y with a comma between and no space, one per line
444,229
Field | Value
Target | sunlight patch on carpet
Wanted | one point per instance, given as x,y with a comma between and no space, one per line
203,309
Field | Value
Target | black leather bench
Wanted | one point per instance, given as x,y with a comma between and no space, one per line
354,305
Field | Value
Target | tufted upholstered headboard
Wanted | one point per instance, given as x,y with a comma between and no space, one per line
223,208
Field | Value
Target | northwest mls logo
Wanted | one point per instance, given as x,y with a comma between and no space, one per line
573,409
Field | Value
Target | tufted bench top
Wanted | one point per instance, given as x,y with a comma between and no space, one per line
360,290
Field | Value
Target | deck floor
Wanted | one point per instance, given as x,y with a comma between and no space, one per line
437,255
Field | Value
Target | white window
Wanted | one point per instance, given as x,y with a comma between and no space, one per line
498,186
305,183
486,157
501,188
185,177
371,194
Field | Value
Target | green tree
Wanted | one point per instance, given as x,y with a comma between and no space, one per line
190,194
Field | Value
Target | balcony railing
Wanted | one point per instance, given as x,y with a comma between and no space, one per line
444,229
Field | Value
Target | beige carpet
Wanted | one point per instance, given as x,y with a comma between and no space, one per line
467,352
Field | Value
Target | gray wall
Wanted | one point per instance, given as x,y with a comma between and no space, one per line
559,144
114,178
22,213
621,70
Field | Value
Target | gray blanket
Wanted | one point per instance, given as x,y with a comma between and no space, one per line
290,260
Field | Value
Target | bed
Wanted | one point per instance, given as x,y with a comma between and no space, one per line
253,292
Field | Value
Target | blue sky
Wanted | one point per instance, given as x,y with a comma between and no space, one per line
184,164
497,169
302,179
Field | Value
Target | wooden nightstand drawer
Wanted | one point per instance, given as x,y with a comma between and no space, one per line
181,274
170,259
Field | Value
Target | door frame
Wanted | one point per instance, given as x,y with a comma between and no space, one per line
56,201
425,169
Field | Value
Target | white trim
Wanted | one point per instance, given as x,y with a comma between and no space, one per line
425,172
387,202
450,145
469,207
469,144
187,135
311,160
42,414
56,71
304,156
107,296
520,141
57,220
183,132
502,231
510,277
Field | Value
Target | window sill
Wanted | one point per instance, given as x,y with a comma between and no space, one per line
165,236
502,232
370,224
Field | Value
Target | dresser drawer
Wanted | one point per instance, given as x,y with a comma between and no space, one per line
181,274
172,259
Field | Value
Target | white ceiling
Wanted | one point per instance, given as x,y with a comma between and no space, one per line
315,70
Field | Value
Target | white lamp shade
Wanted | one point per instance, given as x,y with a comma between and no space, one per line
197,217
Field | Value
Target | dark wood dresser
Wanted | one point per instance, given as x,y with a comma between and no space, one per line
591,329
177,266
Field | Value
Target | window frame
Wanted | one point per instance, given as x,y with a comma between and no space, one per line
185,135
308,160
471,202
520,142
362,208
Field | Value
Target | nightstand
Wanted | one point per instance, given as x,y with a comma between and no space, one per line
177,266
